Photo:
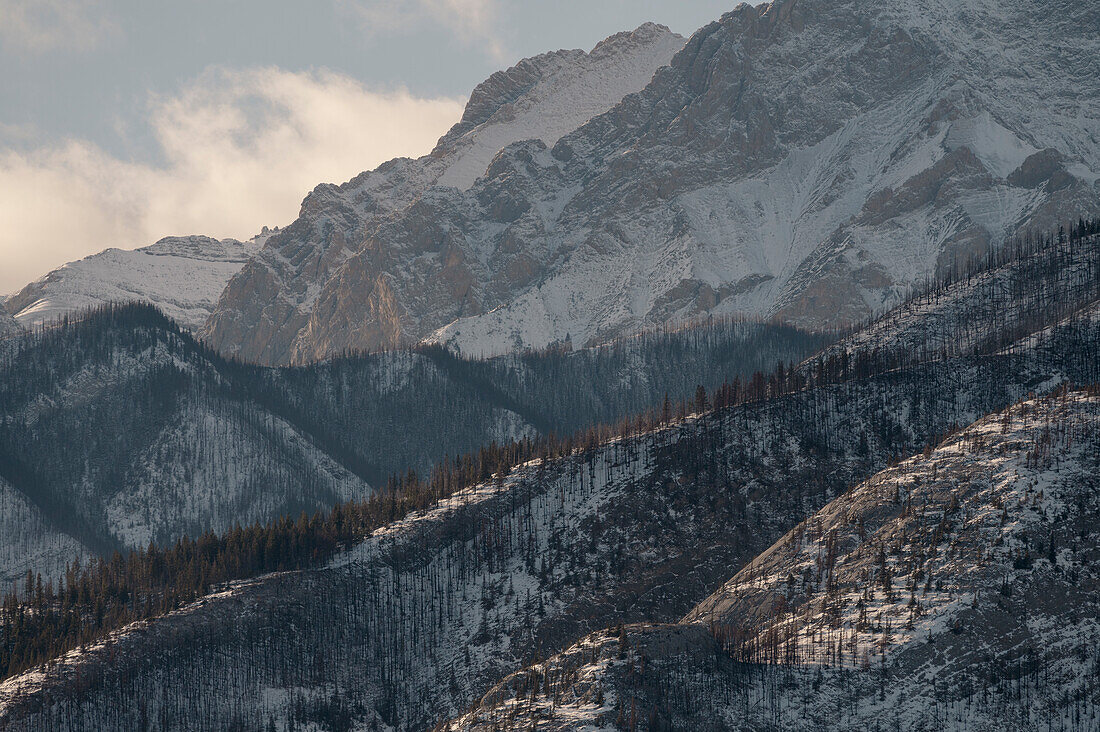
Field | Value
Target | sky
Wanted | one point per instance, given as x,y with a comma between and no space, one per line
123,121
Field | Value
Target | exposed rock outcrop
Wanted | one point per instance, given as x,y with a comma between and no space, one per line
339,277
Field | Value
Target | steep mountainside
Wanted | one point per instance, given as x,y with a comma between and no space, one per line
183,276
120,429
957,590
419,620
288,288
809,159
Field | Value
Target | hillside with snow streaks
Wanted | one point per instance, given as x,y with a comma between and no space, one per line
416,623
30,541
805,159
986,306
957,590
183,276
420,620
118,430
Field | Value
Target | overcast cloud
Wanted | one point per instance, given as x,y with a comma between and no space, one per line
48,25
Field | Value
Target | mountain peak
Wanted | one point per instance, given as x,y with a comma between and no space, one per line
183,275
549,95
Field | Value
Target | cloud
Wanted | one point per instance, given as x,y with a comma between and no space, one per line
239,150
472,21
52,25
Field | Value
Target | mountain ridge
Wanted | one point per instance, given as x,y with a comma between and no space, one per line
281,291
182,275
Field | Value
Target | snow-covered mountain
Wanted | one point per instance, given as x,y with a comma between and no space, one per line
183,276
808,159
269,310
957,590
548,96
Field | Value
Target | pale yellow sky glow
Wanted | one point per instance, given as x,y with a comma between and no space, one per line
239,151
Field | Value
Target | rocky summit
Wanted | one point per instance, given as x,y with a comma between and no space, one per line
335,278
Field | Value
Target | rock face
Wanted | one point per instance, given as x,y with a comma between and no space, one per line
805,159
333,279
183,276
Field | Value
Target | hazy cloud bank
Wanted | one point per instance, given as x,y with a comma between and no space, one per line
239,151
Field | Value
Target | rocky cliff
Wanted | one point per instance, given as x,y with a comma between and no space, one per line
323,284
805,159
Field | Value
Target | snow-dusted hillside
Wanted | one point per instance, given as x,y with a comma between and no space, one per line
807,159
125,431
183,276
31,542
957,590
420,619
987,307
119,430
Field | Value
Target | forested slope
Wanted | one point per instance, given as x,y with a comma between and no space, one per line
412,625
982,306
118,429
957,590
511,557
